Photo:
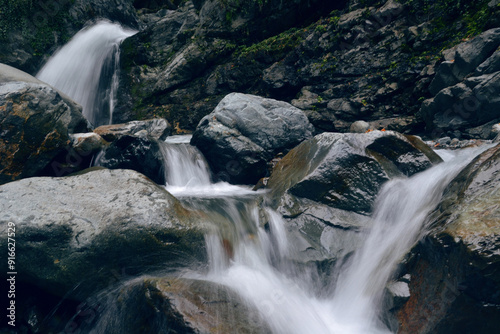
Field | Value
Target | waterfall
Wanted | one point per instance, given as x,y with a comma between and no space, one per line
86,69
248,253
187,172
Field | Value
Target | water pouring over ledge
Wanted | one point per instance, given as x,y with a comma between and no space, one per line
252,259
86,69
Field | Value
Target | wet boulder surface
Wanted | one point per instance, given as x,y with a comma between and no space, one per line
176,305
346,171
72,233
35,123
455,272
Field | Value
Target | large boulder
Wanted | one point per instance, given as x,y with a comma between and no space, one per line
176,305
35,123
246,131
346,171
142,154
96,223
455,276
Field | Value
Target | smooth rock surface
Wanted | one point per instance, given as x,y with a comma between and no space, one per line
244,132
177,305
157,128
73,233
346,171
35,123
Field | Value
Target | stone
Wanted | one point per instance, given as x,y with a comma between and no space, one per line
359,127
142,154
96,223
35,123
87,143
455,274
467,57
178,305
465,105
346,171
490,65
244,132
157,128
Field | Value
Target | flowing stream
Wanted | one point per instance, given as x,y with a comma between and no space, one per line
86,69
248,251
249,245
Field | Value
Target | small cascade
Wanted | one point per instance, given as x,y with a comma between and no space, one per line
187,172
185,166
399,218
248,253
86,69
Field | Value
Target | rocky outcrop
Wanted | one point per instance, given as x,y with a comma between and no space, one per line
455,272
177,305
244,132
95,224
35,123
366,60
346,171
466,88
465,60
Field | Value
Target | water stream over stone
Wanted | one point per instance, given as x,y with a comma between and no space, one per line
248,251
86,69
248,247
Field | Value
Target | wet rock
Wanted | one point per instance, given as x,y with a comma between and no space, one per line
320,232
35,123
142,154
177,305
244,132
98,223
157,128
455,277
87,143
346,171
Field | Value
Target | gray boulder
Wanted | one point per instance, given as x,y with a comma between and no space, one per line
96,223
35,123
489,66
177,305
246,131
346,171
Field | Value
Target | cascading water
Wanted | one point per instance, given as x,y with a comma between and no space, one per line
248,251
86,69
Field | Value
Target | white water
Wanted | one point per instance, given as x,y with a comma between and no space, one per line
86,69
252,260
187,172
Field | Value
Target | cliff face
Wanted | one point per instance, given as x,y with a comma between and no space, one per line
368,60
340,61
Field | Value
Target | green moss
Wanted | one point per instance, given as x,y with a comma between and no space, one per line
276,45
39,23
